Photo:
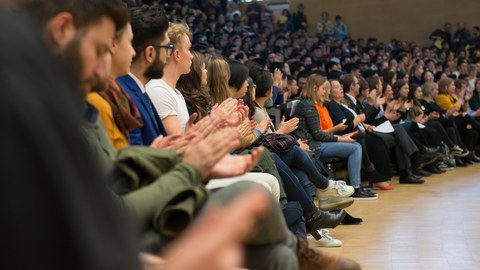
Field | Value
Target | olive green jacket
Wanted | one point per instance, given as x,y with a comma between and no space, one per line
152,183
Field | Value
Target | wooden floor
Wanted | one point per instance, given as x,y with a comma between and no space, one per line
431,226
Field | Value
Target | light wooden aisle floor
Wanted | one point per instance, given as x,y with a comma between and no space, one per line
431,226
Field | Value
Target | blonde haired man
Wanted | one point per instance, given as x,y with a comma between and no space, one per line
169,101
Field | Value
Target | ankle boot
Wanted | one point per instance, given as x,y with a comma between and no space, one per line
321,219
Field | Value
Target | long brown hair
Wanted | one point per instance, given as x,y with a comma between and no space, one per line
443,85
313,81
218,76
192,89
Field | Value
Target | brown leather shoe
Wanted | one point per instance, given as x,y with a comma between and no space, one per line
314,259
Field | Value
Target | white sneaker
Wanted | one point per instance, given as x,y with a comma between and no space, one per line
458,151
335,189
325,241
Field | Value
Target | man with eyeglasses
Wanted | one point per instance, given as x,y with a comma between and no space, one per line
151,52
169,101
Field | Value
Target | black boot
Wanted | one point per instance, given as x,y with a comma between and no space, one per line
321,219
349,220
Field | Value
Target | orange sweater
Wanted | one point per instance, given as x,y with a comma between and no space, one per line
325,119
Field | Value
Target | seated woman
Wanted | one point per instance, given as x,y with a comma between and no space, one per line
296,157
433,130
193,86
447,108
453,106
434,113
226,81
417,113
115,107
424,137
337,112
474,101
326,144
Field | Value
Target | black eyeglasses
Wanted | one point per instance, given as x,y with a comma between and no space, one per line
169,48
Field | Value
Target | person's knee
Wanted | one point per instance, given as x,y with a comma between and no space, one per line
357,147
271,257
229,193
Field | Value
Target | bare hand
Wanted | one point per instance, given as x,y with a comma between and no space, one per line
392,115
369,128
434,115
379,101
277,77
340,127
372,96
230,110
163,142
289,126
206,126
191,122
408,104
235,165
360,118
345,138
246,128
396,105
204,153
264,125
468,96
421,118
303,145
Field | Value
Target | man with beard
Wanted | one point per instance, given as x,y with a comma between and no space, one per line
162,181
167,99
151,51
74,218
56,211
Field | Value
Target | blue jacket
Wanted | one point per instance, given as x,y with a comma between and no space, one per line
152,124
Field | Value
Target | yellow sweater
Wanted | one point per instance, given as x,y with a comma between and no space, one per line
105,112
445,102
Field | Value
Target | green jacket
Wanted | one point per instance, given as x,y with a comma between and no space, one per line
151,183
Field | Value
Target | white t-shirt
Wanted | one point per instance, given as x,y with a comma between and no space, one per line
168,101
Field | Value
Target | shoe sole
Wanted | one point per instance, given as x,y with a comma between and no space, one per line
410,183
314,243
319,195
365,198
335,206
421,165
460,154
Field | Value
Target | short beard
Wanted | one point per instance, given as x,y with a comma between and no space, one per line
74,62
155,70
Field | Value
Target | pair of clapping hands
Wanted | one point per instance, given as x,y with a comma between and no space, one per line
206,144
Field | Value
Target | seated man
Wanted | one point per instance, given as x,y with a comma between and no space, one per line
274,245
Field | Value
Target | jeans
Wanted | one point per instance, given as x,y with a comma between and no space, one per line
298,159
351,151
293,188
307,185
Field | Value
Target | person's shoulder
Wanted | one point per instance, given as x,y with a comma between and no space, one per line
306,104
156,83
96,100
158,87
128,83
330,104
